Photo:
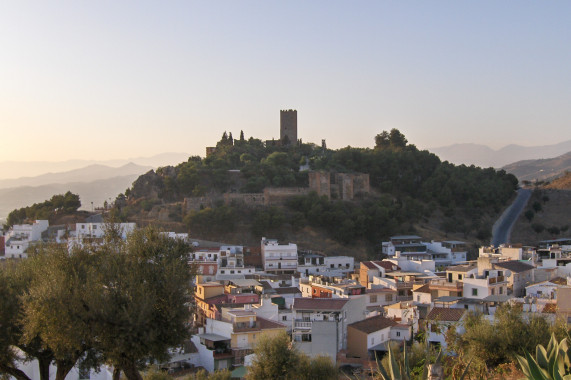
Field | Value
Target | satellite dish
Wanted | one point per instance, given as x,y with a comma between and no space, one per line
508,273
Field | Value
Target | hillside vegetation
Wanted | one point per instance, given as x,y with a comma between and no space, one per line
410,189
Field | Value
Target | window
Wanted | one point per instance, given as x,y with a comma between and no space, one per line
418,298
332,266
284,317
398,333
501,290
474,291
372,340
373,299
459,277
388,297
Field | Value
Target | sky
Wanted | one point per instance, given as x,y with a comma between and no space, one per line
108,80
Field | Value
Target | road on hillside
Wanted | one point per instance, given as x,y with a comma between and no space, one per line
503,226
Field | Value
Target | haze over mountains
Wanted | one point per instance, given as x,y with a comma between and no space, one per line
484,156
545,169
94,181
18,169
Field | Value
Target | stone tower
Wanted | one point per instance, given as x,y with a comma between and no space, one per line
288,126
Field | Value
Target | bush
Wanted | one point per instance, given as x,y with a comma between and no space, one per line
538,227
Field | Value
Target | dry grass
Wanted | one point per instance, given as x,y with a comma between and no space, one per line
556,212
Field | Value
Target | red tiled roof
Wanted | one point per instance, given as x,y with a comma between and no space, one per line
373,324
423,289
319,303
445,314
387,265
287,290
515,266
267,324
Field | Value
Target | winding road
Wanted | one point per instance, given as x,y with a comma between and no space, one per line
503,226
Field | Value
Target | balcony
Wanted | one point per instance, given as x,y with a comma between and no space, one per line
495,280
445,285
302,325
408,284
245,326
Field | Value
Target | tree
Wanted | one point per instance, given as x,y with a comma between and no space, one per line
529,214
277,358
55,306
14,280
140,305
241,135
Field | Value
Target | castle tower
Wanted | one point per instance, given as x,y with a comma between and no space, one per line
288,126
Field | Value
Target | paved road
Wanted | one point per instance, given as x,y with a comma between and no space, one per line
503,226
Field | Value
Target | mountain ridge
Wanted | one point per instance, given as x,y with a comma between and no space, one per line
484,156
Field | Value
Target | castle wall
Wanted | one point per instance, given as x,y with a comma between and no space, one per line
278,195
197,203
320,182
251,199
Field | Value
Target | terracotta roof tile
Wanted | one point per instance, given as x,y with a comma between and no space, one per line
445,314
373,324
319,303
515,266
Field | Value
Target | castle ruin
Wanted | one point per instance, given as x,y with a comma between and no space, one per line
288,127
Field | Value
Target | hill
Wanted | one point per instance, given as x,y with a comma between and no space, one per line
87,174
411,191
540,170
484,156
96,191
546,217
18,169
561,183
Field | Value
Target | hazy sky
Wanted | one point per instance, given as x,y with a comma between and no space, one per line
117,79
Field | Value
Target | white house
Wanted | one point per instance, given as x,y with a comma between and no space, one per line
439,320
278,258
19,237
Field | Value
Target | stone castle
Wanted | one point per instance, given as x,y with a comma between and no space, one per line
288,126
343,186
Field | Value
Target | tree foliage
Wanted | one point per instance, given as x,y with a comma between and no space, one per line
124,302
61,204
277,358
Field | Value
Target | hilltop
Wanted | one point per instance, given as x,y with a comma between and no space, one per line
245,189
540,170
561,183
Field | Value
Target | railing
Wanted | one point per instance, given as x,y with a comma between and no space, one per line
494,280
445,284
303,324
222,354
245,326
408,284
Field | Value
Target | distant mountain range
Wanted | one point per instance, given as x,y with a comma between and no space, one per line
18,169
484,156
546,169
93,183
89,173
97,192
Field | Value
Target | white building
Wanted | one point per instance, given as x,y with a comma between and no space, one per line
491,282
19,237
334,266
446,252
278,258
320,325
